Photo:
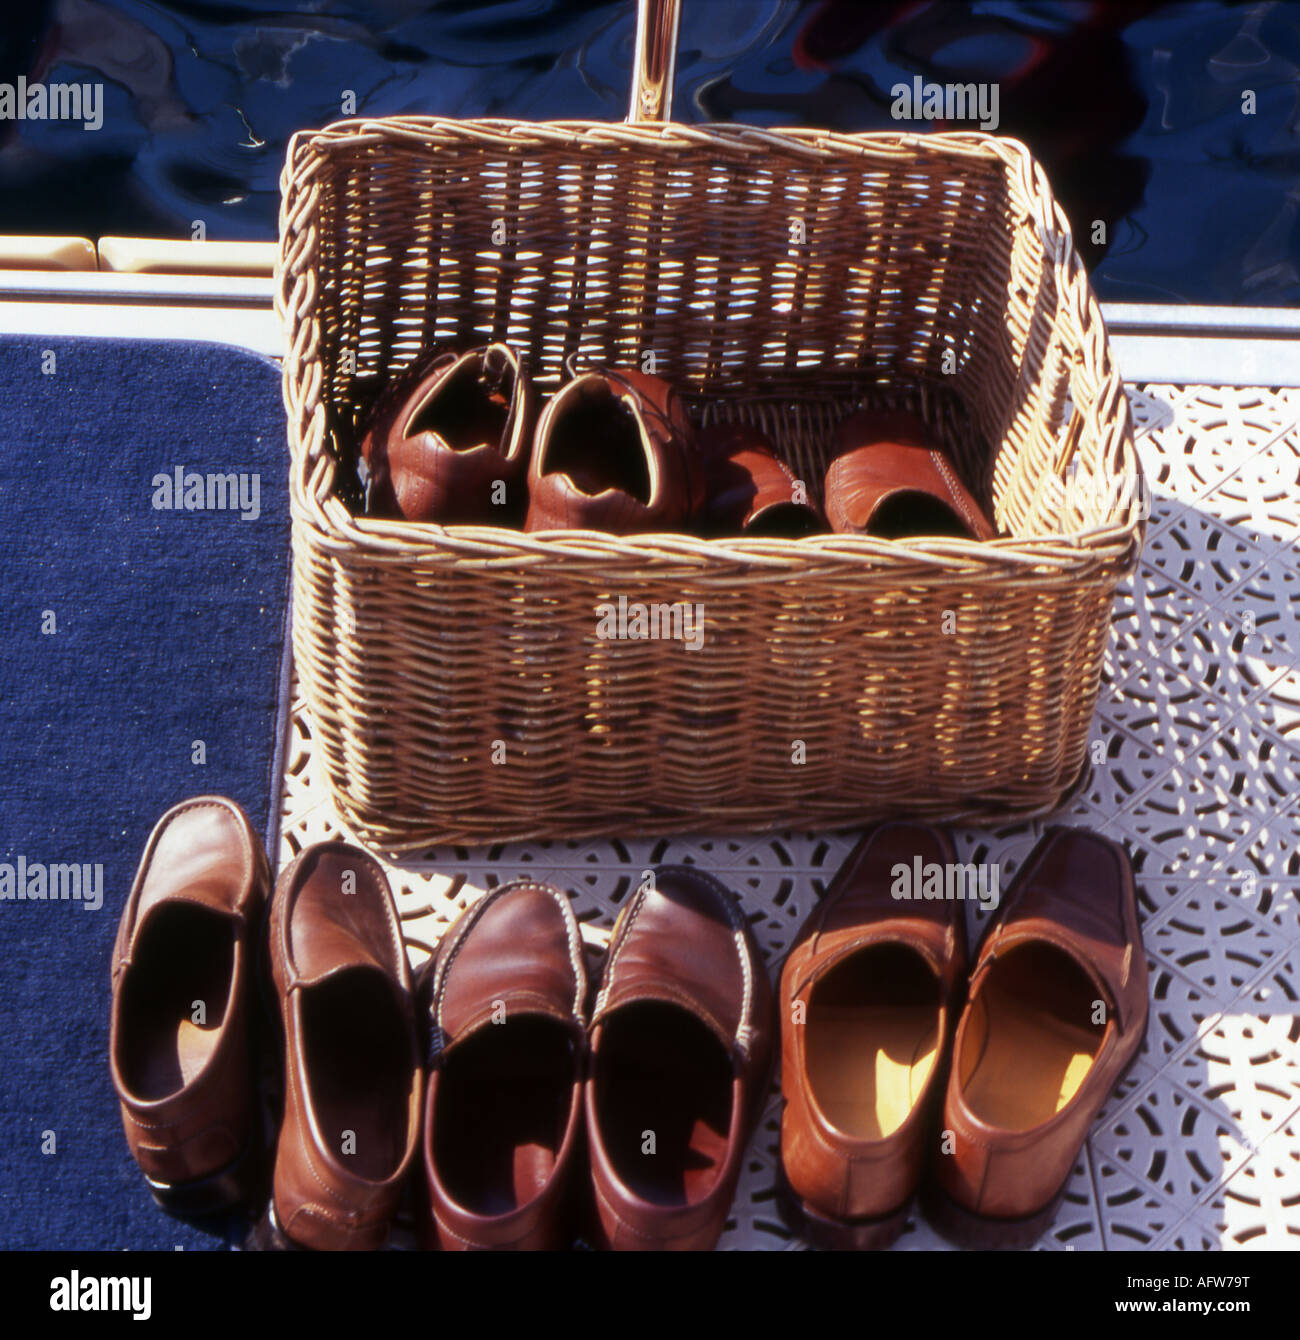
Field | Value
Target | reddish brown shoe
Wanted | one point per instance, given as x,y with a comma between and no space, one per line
681,1051
891,479
352,1072
614,452
750,491
183,983
868,995
1056,1015
507,1050
449,440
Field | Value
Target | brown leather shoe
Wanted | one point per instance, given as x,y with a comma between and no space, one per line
442,438
749,490
681,1051
507,1050
891,479
868,995
183,977
614,452
1056,1015
352,1071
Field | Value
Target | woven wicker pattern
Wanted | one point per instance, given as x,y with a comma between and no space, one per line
458,685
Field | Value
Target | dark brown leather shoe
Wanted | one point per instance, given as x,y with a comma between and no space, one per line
448,441
183,977
1057,1012
749,490
504,997
681,1051
891,479
868,995
352,1072
614,452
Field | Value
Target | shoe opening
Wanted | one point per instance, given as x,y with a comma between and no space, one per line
871,1039
503,1101
359,1054
1031,1037
910,514
663,1102
596,441
468,409
175,997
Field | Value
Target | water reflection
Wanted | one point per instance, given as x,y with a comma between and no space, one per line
1137,110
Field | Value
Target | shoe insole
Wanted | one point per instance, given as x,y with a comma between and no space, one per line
868,1065
663,1102
359,1054
503,1103
174,999
871,1039
1033,1040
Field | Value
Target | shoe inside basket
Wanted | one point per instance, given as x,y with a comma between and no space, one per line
660,1069
1029,1040
915,514
871,1039
596,441
503,1101
465,410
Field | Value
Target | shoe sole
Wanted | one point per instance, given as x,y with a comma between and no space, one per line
233,1185
981,1232
266,1235
839,1235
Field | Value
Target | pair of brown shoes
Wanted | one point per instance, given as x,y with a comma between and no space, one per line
888,477
654,1087
191,948
897,1064
453,440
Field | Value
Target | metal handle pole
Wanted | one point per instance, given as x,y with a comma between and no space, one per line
655,60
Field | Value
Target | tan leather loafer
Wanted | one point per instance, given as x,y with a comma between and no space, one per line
504,997
352,1075
614,452
183,981
681,1051
891,479
750,491
449,440
868,995
1056,1014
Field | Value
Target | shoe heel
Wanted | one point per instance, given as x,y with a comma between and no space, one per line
235,1184
839,1235
981,1232
267,1235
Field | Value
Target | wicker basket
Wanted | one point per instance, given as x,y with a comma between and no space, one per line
458,686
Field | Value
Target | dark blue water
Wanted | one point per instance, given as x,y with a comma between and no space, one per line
1139,111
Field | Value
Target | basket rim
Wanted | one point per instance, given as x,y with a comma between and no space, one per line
329,525
382,540
508,132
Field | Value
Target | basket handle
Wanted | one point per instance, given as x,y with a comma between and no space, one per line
655,60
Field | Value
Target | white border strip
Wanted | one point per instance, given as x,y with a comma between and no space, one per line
1212,346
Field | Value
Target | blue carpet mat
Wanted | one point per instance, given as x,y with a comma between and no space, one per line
140,650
